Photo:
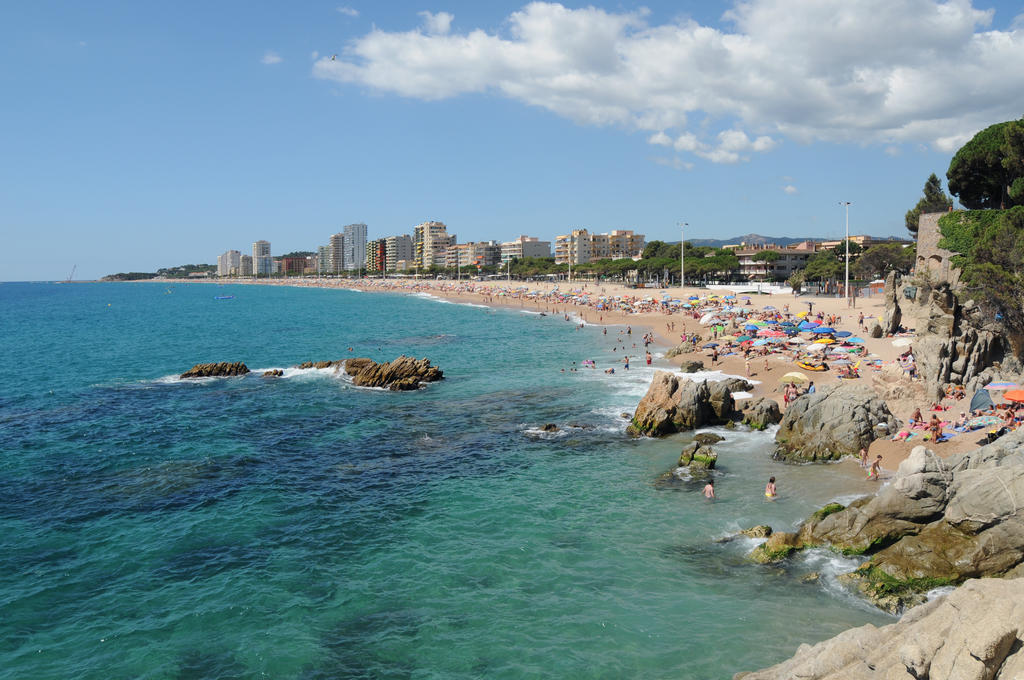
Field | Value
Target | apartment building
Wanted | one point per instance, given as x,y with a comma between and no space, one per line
790,258
524,246
245,266
397,249
262,262
376,252
483,253
581,247
229,263
336,247
355,245
430,241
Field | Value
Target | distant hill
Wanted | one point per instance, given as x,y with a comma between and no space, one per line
749,239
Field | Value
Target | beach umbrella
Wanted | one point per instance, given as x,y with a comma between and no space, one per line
981,401
823,329
816,348
750,327
1001,386
801,314
769,308
760,343
709,345
727,338
794,377
824,341
744,338
796,340
807,325
843,334
855,340
1014,396
693,297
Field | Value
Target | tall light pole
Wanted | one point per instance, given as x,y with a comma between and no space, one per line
682,254
846,285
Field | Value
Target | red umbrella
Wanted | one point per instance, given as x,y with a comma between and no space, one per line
1014,395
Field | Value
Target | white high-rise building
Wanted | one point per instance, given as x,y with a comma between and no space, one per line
337,254
323,259
262,263
355,245
430,243
229,263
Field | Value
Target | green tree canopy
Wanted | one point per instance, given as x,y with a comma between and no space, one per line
988,171
934,200
878,260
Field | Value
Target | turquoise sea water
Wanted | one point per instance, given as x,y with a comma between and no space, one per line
304,528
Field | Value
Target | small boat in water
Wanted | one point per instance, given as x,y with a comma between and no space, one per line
223,297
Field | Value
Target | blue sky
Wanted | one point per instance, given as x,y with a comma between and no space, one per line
141,135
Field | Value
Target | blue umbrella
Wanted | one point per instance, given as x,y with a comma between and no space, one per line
855,340
823,330
751,327
710,344
694,297
769,308
843,334
760,342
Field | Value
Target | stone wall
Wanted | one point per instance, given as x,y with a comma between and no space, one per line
929,255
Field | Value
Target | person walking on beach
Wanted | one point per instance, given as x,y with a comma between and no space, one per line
714,356
769,489
863,457
876,468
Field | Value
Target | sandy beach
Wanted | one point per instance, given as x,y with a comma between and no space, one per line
605,302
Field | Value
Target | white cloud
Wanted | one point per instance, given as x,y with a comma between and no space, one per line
271,58
893,151
437,24
660,139
790,189
348,11
675,163
867,72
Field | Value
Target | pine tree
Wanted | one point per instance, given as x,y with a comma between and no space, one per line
935,200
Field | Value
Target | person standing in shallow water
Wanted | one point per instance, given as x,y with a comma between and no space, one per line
709,490
769,489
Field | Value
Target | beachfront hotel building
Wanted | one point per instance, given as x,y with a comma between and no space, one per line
430,242
355,245
397,249
581,247
323,259
336,253
483,253
524,246
262,263
245,266
229,263
790,259
376,255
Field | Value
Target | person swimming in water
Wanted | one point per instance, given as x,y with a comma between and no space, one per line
709,490
769,489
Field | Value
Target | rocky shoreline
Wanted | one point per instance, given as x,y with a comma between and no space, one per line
401,375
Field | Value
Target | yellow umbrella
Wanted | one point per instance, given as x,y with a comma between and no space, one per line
825,341
727,338
794,377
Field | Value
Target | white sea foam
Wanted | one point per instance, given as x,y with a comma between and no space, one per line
742,395
936,593
830,566
714,376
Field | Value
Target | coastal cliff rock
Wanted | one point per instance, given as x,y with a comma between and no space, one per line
402,374
691,366
323,364
673,404
216,370
974,633
957,342
832,423
941,521
760,413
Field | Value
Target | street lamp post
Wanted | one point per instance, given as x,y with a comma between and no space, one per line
846,284
682,254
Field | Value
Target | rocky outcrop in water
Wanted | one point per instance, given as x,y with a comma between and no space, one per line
760,413
674,404
402,374
941,521
273,373
832,423
216,370
698,457
974,633
323,364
